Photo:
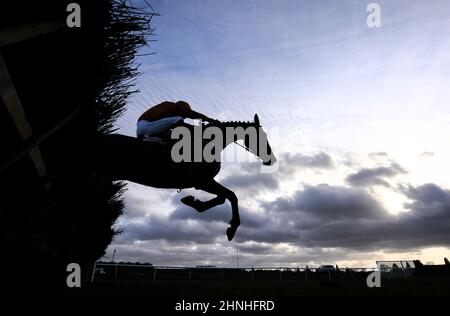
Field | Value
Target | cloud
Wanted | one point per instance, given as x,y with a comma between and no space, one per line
154,228
321,220
249,179
250,254
332,202
427,154
303,217
374,176
255,181
428,199
221,214
256,248
320,160
379,154
327,216
174,253
320,223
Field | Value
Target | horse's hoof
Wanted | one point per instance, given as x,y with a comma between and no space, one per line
230,233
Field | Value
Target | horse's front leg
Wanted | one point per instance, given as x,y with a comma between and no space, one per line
214,187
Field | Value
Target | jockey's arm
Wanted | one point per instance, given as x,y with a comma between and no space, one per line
198,116
187,112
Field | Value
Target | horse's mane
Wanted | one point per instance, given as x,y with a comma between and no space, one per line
234,123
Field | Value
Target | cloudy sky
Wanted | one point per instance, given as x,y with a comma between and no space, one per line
358,117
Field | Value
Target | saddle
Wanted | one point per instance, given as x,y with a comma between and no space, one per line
160,142
154,139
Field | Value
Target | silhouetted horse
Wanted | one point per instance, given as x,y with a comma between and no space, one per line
126,158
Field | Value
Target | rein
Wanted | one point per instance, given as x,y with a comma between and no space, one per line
237,122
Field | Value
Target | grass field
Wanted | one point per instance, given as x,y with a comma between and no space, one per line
227,288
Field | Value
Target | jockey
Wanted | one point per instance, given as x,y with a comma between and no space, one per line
160,118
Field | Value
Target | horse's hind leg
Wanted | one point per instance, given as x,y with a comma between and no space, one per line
201,206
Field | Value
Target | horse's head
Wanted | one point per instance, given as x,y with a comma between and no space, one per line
260,146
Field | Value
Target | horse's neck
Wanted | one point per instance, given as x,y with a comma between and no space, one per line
232,124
